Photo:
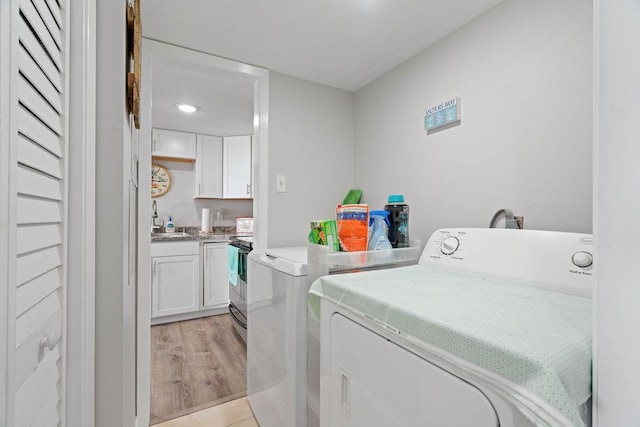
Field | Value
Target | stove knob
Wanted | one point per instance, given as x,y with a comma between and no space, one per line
449,245
582,259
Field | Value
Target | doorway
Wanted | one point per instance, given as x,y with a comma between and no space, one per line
167,70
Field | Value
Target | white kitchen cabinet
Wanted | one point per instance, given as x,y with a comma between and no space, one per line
237,167
216,283
175,278
173,144
208,166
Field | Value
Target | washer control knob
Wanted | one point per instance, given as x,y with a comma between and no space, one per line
449,245
582,259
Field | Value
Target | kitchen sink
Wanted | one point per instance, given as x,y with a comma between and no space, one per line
173,235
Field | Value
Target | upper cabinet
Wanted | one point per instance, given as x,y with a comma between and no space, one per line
172,144
237,167
222,164
208,167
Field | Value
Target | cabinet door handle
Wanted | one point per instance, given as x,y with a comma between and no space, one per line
199,189
248,189
49,342
206,254
153,270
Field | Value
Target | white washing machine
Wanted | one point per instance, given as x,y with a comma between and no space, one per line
491,328
277,289
277,350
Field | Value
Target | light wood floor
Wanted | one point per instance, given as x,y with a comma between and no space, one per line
195,364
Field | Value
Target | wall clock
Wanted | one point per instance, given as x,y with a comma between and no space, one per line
160,180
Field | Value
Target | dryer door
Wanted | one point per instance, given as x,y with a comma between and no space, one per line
375,382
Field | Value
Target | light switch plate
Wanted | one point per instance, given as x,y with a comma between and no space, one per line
281,184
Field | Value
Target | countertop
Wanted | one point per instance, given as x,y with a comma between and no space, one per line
194,233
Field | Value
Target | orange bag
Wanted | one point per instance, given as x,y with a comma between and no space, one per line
353,227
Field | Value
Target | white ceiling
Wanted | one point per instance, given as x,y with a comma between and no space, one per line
225,100
341,43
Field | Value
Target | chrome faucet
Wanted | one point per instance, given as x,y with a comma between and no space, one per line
511,221
155,228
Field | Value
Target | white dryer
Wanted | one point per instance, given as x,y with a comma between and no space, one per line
491,328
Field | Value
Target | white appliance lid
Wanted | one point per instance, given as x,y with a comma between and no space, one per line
292,253
289,260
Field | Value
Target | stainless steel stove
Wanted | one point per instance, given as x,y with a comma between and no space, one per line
238,291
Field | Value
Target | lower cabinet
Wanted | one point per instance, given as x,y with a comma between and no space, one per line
175,278
216,284
174,285
184,281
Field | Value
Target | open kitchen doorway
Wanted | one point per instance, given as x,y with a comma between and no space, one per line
167,72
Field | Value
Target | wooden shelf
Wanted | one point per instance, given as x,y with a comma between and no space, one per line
173,159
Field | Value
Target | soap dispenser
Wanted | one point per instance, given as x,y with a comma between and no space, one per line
170,227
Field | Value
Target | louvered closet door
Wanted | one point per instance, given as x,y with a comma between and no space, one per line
41,190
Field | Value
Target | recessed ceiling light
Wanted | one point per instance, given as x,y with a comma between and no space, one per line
186,108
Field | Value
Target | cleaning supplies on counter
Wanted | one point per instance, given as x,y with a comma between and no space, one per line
398,221
356,229
169,227
325,233
378,239
353,227
206,220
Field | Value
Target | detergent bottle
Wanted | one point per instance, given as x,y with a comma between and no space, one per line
378,239
398,221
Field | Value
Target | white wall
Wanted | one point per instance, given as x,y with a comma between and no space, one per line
187,211
311,143
617,209
524,73
115,297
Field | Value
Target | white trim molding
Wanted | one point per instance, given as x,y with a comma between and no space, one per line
8,227
6,273
616,211
80,330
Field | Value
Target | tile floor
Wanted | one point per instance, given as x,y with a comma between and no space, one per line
236,413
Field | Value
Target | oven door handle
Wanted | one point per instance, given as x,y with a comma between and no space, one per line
240,322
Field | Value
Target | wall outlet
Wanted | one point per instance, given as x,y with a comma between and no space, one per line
281,184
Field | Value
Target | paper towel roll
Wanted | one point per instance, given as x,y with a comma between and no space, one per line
206,219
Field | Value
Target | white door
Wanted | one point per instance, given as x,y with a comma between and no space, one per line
237,167
209,166
375,382
216,284
175,285
33,194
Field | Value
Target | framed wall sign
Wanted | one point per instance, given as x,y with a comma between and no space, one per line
442,115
